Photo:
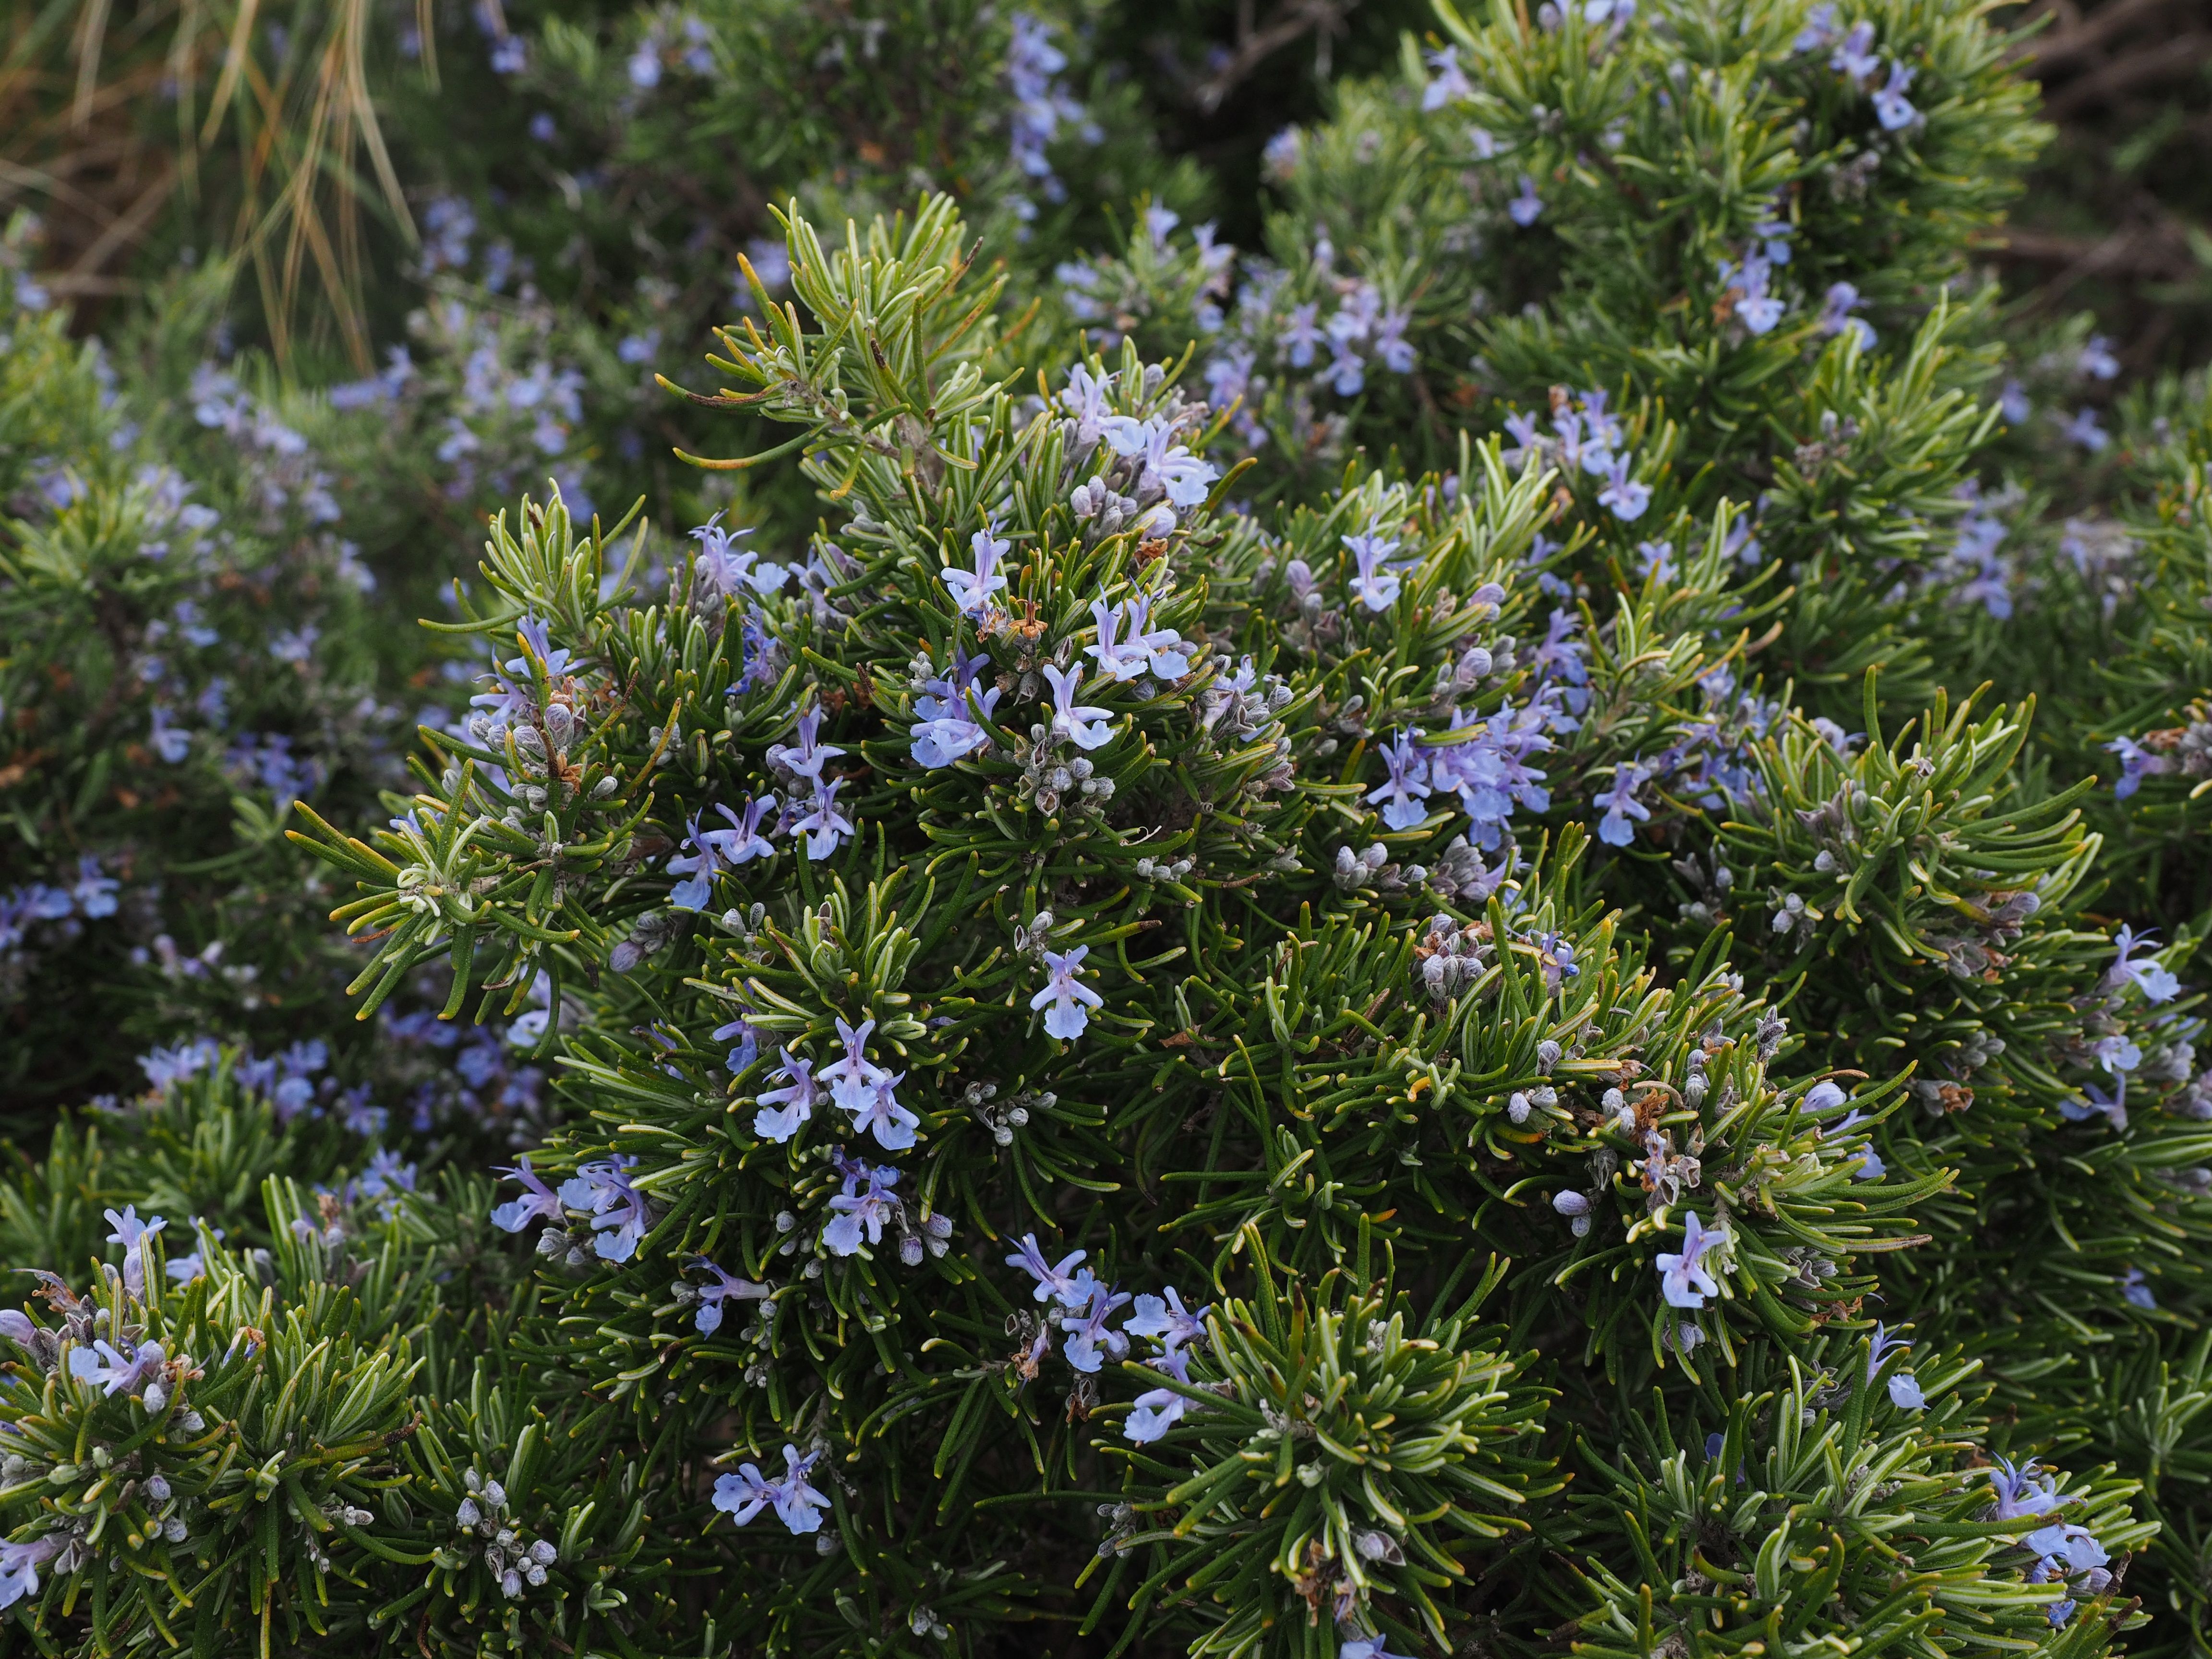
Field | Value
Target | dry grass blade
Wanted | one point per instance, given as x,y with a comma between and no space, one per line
286,142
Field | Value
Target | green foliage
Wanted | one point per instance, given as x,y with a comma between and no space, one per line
1198,1006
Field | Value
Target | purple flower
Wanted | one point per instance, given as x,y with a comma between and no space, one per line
1407,789
1346,373
1165,654
1621,804
1392,348
1300,336
2021,1491
892,1124
822,824
1158,1410
722,848
113,1372
93,892
132,1234
1856,58
2156,982
853,1076
1624,495
1891,107
19,1565
1081,724
1373,586
618,1210
1054,1283
748,1049
1489,769
2137,763
2134,1287
2096,360
975,591
1683,1278
1090,1343
949,736
797,1097
1166,465
2084,430
1166,1321
806,760
1818,31
1115,661
1843,298
1085,399
862,1212
1068,997
538,1199
2113,1106
1904,1390
1525,209
2066,1549
1372,1647
1448,82
171,742
743,1495
797,1504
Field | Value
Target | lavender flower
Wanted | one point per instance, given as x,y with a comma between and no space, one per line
1300,336
1165,465
823,825
617,1209
1624,495
2137,763
1069,998
1891,107
861,1213
2137,1291
1406,788
19,1565
727,1287
1843,298
2155,981
112,1371
1527,207
797,1504
892,1124
1621,804
2021,1492
1684,1279
1158,1410
2084,430
1448,82
1090,1343
1080,723
1373,586
797,1098
538,1199
805,759
1373,1647
1085,399
1856,58
1904,1390
949,736
1054,1283
975,591
132,1234
1166,1321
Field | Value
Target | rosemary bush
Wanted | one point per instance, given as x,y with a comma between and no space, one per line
1497,963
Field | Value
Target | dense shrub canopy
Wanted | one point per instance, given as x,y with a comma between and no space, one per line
1474,935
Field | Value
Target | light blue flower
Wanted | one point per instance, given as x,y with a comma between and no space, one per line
1683,1277
1066,1017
